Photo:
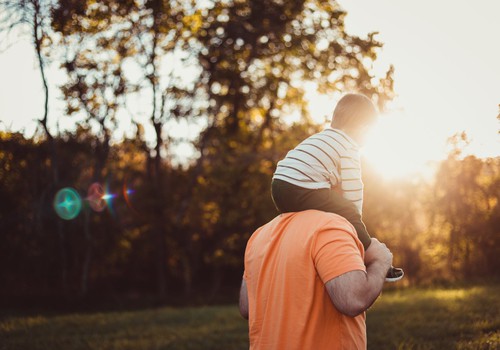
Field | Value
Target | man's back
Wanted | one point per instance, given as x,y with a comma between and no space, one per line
287,263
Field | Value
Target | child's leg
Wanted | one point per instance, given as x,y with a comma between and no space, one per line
291,198
334,202
287,197
345,208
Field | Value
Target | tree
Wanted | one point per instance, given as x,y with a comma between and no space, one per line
145,35
160,39
466,197
96,82
257,58
395,213
238,68
35,16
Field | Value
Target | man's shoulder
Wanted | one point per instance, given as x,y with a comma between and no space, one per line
310,222
322,218
327,227
314,220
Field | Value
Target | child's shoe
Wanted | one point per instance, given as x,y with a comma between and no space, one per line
394,274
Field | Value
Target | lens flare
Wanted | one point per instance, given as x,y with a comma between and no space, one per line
67,203
127,192
108,197
95,197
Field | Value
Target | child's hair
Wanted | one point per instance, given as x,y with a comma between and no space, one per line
352,111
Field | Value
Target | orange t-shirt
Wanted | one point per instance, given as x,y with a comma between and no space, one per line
287,263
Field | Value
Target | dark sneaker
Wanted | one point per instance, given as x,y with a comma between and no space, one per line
394,274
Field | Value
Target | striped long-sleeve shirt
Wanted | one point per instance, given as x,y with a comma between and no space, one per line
325,160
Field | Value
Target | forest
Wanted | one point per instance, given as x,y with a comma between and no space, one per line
174,210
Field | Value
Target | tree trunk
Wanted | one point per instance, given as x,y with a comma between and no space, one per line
187,276
451,253
63,257
156,120
467,266
88,254
161,250
216,281
102,152
54,161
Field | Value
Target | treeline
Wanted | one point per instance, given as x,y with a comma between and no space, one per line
441,230
207,213
136,69
445,228
235,71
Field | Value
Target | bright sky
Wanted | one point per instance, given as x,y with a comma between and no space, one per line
447,59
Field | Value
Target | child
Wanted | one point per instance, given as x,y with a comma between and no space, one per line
311,174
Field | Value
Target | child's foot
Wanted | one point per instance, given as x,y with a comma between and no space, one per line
394,274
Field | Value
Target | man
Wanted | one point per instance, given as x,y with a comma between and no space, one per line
306,285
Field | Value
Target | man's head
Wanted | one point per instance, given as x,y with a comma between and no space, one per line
354,114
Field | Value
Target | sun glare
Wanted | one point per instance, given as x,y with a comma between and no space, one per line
399,147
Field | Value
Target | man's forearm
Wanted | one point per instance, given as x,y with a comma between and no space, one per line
375,275
354,292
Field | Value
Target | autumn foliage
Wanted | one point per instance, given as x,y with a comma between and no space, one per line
232,71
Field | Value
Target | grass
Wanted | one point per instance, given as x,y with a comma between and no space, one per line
459,318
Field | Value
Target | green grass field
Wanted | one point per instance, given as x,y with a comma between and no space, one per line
459,318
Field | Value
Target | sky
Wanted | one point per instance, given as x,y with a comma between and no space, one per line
447,59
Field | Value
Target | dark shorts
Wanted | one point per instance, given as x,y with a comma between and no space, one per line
291,198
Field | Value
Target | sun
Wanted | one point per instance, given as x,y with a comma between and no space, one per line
399,146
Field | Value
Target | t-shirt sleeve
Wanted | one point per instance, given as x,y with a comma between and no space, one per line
249,254
336,252
245,267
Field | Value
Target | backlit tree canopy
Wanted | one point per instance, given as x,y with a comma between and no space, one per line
136,75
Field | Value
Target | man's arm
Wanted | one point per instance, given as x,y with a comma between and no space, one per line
244,300
354,292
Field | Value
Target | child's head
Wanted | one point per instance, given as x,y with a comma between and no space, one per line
354,114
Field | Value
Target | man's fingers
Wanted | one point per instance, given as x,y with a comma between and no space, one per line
378,251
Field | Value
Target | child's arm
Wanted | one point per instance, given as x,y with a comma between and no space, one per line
348,210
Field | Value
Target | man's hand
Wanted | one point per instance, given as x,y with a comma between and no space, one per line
378,252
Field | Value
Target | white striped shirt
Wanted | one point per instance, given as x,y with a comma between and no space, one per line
325,160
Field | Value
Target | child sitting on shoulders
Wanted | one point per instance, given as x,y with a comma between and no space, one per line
313,173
